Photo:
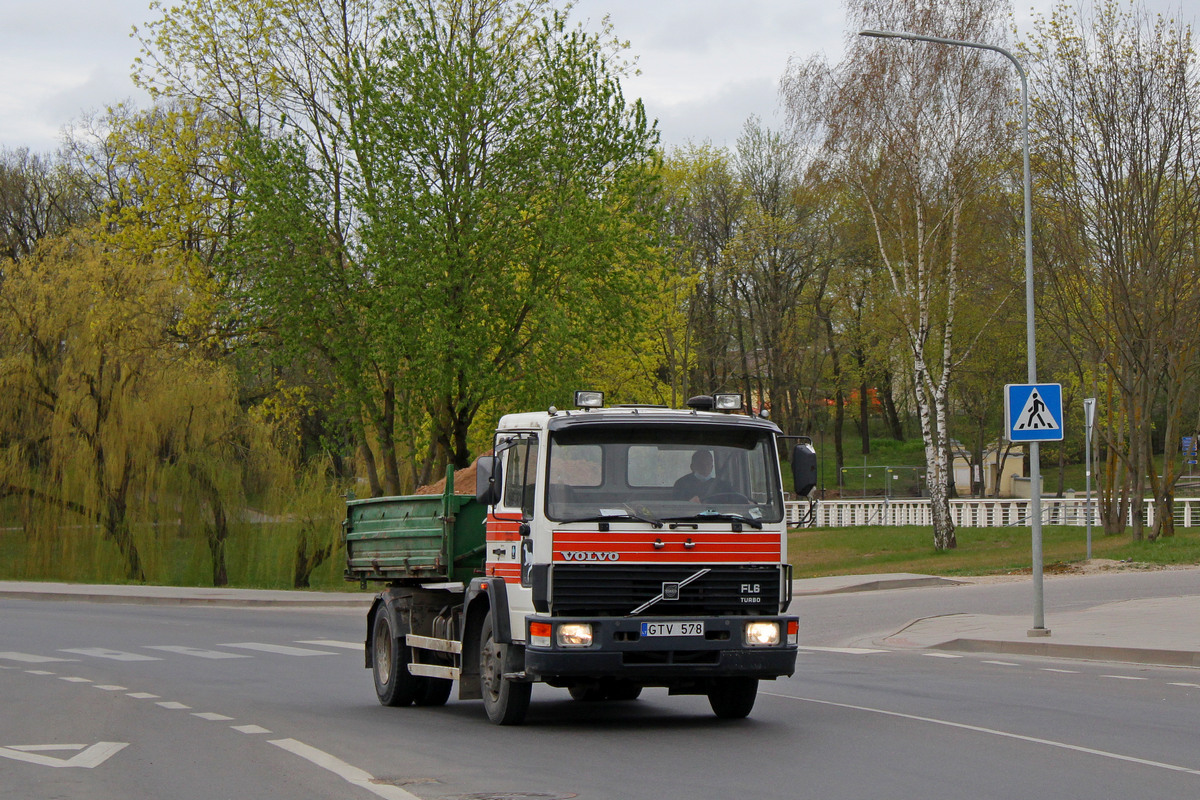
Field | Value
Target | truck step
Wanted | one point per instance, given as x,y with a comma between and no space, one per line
435,671
429,643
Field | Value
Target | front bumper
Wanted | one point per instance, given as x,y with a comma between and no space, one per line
618,650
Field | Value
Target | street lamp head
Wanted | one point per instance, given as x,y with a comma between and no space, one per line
881,34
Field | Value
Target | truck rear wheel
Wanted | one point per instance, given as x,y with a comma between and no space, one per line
394,685
732,698
505,700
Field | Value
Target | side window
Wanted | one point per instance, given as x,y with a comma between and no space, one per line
520,475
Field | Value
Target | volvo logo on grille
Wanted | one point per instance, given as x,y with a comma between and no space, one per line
589,555
670,590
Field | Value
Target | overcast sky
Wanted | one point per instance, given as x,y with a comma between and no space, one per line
706,65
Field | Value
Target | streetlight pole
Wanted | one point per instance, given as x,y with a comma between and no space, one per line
1035,467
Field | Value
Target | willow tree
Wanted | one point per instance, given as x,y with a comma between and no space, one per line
94,397
918,131
1116,110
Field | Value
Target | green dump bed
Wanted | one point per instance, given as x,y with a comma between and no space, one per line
415,538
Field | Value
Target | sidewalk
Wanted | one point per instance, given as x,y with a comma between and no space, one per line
1150,631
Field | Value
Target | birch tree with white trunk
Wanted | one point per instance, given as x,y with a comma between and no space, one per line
919,132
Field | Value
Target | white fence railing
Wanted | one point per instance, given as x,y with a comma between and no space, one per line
983,513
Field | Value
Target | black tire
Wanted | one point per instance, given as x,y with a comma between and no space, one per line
505,701
733,698
394,685
434,692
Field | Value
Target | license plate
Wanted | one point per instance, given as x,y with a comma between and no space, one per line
676,628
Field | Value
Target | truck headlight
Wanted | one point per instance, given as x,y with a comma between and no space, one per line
762,634
575,634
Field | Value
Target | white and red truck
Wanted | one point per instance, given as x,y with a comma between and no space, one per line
605,550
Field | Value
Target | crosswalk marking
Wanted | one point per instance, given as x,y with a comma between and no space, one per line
281,649
28,658
104,652
195,651
333,643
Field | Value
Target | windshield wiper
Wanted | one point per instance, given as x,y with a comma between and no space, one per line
607,515
704,516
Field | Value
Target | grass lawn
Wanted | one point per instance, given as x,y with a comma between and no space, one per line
817,552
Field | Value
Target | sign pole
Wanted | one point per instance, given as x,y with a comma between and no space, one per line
1089,415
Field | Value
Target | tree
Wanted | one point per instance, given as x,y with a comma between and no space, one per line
1117,118
39,197
93,397
919,131
504,185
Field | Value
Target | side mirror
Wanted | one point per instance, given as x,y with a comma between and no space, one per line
804,469
488,480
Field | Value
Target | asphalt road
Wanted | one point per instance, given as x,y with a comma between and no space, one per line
198,702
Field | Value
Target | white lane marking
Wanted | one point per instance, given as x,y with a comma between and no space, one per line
850,651
281,649
195,651
71,679
249,729
104,652
993,732
38,672
28,658
346,772
333,643
1125,677
142,696
172,705
1001,663
211,716
1062,671
941,655
1188,685
87,757
111,688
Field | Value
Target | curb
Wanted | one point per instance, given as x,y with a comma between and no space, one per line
1084,652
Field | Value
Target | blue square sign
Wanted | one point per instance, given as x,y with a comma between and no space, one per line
1033,412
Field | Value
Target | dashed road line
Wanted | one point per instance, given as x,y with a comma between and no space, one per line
251,729
38,672
142,696
850,651
211,716
941,655
171,705
1125,677
1062,671
74,679
1001,663
108,687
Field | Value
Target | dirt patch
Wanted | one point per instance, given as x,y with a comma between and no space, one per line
1093,566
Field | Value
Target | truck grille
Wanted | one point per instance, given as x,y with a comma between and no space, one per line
619,591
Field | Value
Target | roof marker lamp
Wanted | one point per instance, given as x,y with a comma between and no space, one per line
587,399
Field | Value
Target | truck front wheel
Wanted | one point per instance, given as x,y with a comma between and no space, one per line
732,698
505,700
394,685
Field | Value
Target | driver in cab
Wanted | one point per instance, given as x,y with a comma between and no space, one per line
702,481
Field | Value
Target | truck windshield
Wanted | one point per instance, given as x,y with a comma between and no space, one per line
663,474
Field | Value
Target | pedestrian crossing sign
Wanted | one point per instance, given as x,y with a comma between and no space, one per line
1033,412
